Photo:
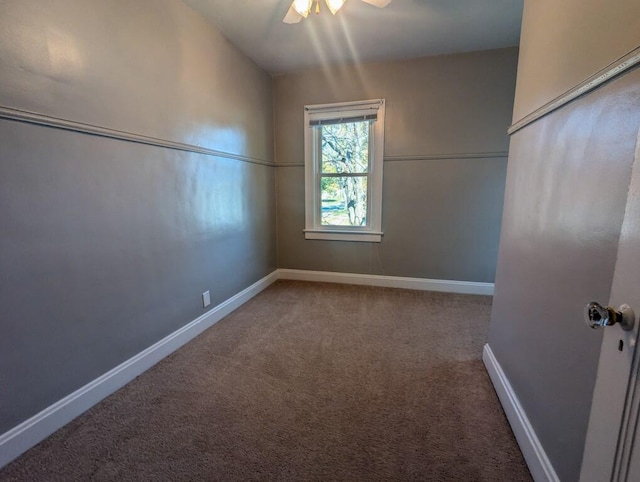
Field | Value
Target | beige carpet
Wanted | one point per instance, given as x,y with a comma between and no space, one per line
307,381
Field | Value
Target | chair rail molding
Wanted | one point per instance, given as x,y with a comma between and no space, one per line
28,117
611,71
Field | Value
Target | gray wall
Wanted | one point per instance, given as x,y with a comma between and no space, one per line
566,190
106,245
444,173
564,43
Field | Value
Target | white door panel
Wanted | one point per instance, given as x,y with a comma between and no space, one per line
612,422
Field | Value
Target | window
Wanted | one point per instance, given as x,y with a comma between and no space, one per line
344,145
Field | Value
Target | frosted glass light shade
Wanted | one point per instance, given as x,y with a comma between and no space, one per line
302,7
335,5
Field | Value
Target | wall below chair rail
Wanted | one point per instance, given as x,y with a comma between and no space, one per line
107,243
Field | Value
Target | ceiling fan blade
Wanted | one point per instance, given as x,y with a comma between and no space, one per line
292,16
378,3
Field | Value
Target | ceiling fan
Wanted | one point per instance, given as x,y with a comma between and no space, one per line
302,8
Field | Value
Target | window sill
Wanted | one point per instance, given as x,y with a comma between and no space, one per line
336,235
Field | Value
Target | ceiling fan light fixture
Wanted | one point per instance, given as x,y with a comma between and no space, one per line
300,9
335,5
303,7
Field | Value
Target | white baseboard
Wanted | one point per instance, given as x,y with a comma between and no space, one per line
465,287
32,431
29,433
532,450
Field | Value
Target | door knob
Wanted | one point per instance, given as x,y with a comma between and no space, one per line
596,315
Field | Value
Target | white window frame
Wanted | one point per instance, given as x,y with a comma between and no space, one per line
314,229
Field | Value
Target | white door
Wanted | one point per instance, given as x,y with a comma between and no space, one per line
610,453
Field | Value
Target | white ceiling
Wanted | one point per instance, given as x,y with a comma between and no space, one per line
361,32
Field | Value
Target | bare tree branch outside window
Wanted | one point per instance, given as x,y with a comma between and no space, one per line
345,166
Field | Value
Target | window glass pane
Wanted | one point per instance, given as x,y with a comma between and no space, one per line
345,147
344,201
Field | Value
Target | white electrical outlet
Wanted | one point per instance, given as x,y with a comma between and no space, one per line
206,299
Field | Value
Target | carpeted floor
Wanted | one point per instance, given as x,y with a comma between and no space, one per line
307,381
